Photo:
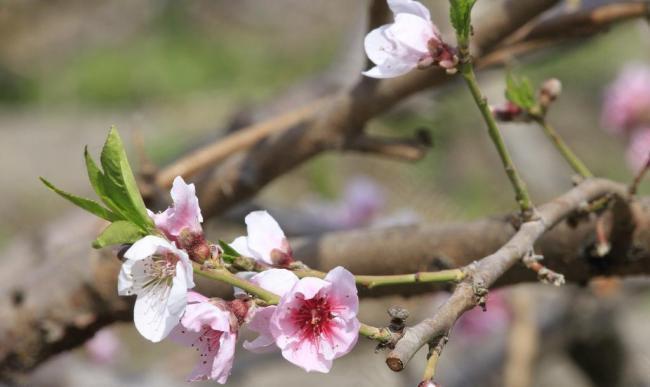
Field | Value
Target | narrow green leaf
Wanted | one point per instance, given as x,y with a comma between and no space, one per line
119,184
118,233
229,254
460,15
87,204
97,178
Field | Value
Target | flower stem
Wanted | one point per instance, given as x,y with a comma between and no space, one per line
521,192
435,349
382,335
371,281
564,149
223,275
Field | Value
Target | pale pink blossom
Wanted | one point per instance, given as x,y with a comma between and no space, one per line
265,241
315,321
211,329
411,41
104,347
159,274
627,100
638,149
184,216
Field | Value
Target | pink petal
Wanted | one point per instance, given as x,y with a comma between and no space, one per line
264,235
185,213
148,246
222,363
308,287
343,336
260,323
305,354
201,314
343,292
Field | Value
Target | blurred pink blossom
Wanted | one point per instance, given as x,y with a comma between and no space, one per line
476,323
104,347
627,100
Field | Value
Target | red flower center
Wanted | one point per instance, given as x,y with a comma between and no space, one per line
313,317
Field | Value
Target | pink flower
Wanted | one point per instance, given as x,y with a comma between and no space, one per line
159,274
638,150
315,321
411,41
627,100
211,328
265,241
184,216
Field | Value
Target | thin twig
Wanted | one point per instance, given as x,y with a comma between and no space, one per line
406,149
639,177
519,186
568,154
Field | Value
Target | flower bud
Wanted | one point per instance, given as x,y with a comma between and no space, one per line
550,90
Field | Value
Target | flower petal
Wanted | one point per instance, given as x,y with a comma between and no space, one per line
413,32
410,7
158,309
260,323
148,246
343,292
305,355
264,235
240,244
222,363
185,213
278,281
341,338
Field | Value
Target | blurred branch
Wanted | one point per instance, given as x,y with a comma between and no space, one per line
406,149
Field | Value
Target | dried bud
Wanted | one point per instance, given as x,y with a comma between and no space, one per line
508,112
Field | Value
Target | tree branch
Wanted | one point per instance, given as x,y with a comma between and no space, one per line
489,269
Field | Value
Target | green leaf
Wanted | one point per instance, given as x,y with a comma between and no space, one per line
87,204
118,183
229,254
119,232
460,15
520,91
97,178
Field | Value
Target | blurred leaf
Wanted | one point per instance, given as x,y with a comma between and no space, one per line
519,90
460,16
118,183
118,233
87,204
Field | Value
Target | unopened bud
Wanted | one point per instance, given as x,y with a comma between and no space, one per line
549,92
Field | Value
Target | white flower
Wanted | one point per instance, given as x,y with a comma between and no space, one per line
265,241
159,274
398,48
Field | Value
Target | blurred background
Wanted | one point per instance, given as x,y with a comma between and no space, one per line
179,74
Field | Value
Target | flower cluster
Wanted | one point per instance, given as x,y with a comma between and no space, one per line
626,112
313,323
